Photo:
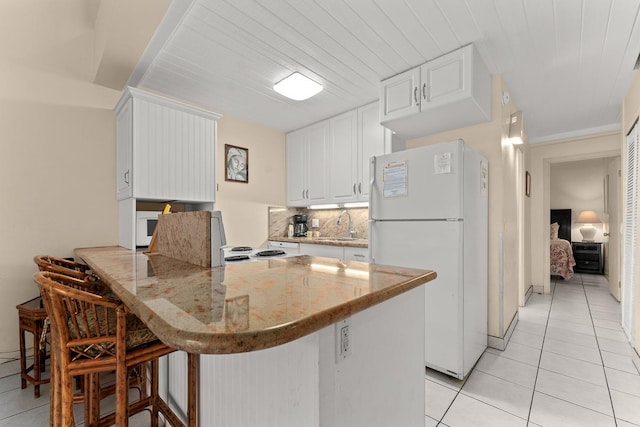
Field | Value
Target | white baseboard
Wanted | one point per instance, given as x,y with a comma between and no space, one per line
528,294
501,343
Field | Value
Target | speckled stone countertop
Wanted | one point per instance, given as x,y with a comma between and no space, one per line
330,241
246,306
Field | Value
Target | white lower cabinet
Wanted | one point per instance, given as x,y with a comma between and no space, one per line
356,254
340,252
322,250
302,383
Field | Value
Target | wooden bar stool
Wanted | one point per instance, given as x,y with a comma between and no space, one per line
91,334
31,318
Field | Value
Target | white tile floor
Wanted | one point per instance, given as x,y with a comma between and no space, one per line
568,364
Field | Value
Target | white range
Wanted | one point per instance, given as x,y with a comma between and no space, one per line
234,254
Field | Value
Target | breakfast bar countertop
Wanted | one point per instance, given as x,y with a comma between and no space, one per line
248,306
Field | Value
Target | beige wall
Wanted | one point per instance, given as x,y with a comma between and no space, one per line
57,169
541,158
630,113
245,206
57,174
487,139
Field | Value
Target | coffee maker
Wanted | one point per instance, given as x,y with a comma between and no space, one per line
300,225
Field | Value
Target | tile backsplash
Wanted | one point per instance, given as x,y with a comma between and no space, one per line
280,217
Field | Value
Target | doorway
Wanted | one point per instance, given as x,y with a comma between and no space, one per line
591,185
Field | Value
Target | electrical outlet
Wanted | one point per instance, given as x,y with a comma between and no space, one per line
343,339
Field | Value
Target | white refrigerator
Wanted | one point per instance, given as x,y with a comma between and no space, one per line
428,208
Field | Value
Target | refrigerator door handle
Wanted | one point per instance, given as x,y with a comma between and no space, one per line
372,222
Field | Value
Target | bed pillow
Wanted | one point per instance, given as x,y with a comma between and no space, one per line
554,231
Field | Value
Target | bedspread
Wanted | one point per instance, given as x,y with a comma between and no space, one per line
562,260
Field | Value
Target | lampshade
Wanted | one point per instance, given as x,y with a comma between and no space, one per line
588,217
516,130
297,87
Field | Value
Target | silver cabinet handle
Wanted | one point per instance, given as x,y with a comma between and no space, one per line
424,91
415,95
303,194
358,255
307,196
126,177
359,188
354,188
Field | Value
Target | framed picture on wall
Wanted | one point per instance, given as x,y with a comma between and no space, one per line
237,163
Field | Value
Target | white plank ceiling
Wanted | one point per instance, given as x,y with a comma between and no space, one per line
567,63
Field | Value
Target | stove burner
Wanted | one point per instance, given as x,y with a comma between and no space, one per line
242,249
237,258
270,252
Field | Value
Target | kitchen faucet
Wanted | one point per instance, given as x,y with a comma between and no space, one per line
352,232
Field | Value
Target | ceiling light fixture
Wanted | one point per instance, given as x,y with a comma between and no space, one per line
297,87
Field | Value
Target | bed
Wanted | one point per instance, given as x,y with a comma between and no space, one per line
561,255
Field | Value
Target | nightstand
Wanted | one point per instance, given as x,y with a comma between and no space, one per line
588,256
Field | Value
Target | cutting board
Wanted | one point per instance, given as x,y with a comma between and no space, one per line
185,236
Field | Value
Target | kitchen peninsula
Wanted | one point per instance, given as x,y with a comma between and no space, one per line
268,335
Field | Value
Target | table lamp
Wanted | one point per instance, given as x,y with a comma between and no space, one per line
588,218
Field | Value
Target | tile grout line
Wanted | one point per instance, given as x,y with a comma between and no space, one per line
604,371
535,381
456,396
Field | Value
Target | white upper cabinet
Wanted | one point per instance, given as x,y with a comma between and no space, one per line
297,143
328,162
344,157
307,163
373,140
318,163
400,95
166,150
449,92
124,150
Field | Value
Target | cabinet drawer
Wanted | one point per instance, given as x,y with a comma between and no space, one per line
588,256
587,265
586,248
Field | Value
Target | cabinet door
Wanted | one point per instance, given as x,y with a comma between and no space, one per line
173,154
446,79
356,254
343,163
124,151
400,95
317,165
370,143
322,250
296,167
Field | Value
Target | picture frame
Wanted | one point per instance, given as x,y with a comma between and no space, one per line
527,184
236,163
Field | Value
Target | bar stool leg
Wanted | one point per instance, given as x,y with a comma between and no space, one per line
193,374
37,365
23,359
